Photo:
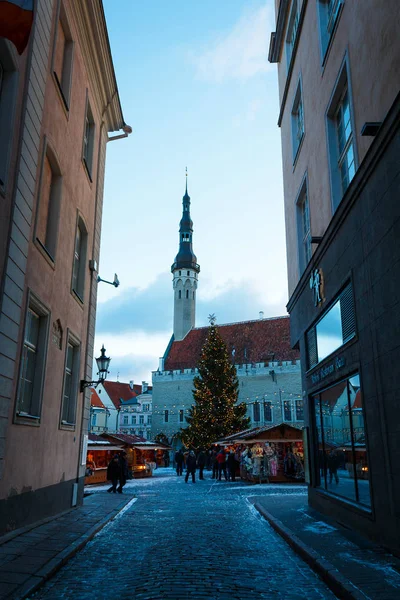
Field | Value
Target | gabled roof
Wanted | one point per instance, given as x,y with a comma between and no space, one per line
95,399
118,391
259,432
263,340
135,440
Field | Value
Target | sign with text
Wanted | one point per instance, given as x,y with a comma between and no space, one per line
328,369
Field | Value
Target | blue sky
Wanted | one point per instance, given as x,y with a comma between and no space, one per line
197,89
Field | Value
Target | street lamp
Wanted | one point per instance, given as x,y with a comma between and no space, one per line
103,362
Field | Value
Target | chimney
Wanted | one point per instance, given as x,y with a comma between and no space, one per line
261,314
144,387
131,384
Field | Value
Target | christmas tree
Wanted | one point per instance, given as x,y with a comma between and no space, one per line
215,413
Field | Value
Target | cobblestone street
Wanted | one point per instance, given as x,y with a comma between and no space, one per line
182,540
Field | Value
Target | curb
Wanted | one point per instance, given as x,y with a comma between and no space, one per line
340,585
35,582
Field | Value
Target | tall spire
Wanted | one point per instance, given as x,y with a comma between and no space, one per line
185,257
186,183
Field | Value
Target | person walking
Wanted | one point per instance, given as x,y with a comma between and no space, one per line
333,463
221,460
231,466
123,475
201,461
214,465
179,462
191,467
113,473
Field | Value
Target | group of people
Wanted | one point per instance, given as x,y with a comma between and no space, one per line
117,472
217,461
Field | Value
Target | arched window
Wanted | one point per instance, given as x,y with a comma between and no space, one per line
187,293
193,295
180,294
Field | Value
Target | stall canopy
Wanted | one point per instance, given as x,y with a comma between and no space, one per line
282,432
96,442
135,441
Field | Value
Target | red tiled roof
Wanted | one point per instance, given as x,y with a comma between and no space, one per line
95,399
264,340
119,391
93,437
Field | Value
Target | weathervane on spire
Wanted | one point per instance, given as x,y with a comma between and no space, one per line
212,318
186,177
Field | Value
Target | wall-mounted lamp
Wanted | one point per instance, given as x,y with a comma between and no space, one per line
103,362
115,283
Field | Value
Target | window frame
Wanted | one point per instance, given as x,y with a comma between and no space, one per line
78,290
74,342
65,85
328,24
341,87
268,402
8,93
297,141
289,403
35,305
303,237
166,415
292,31
88,138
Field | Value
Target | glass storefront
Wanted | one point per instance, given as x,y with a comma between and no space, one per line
342,455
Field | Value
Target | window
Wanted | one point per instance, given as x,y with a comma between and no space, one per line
329,11
297,122
141,432
141,419
126,419
299,410
133,420
292,31
188,273
146,407
287,410
180,294
148,419
342,462
68,412
304,228
268,412
62,58
336,327
78,269
187,293
180,273
341,143
256,411
8,91
88,140
181,415
49,203
33,362
165,416
94,419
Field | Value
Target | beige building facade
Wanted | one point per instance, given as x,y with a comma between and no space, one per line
66,103
339,73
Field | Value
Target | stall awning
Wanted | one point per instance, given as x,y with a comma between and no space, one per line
92,447
148,447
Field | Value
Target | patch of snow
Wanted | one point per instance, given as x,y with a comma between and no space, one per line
392,576
320,527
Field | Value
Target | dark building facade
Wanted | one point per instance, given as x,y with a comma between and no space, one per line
339,116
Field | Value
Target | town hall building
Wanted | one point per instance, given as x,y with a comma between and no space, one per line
268,368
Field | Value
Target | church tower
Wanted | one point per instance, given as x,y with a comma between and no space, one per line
185,272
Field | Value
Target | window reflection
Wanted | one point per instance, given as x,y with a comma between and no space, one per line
342,456
329,332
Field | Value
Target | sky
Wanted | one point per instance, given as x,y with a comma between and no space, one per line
197,89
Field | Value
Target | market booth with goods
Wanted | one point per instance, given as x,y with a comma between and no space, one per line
268,454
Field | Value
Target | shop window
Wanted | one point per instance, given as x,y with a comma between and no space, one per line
287,410
268,412
78,270
166,416
49,203
33,363
62,57
335,328
8,90
342,459
256,411
71,372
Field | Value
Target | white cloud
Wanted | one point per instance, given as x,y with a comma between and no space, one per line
241,53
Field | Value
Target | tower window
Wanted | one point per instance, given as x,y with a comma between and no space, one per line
180,294
180,273
187,293
188,273
193,295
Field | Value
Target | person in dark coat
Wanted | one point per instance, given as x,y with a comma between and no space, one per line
113,473
179,462
201,461
123,475
191,467
214,464
231,466
333,464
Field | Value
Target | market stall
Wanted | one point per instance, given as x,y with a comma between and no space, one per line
269,454
141,453
99,454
